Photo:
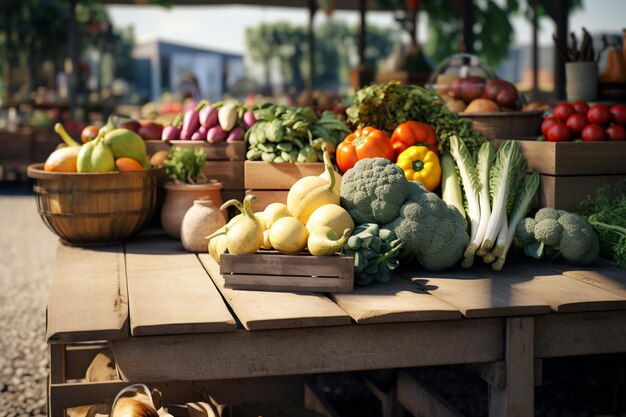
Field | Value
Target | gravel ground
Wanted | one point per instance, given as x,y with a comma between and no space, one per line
26,259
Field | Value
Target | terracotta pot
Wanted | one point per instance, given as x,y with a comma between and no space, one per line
180,197
201,220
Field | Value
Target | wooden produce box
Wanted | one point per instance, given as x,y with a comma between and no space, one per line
572,170
153,146
271,271
224,162
270,182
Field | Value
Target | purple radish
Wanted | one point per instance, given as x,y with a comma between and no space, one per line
208,116
203,130
191,121
198,136
172,132
235,135
215,134
248,119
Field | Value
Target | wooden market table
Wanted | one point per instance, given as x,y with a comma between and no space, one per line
168,320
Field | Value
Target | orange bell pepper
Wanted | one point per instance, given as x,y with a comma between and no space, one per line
413,133
422,165
363,143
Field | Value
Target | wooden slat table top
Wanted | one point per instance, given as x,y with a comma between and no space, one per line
475,294
396,301
277,310
174,292
88,298
563,293
169,291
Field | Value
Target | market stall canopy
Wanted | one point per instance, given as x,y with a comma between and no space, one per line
338,4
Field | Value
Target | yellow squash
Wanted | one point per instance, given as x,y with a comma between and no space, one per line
333,216
309,193
323,241
288,235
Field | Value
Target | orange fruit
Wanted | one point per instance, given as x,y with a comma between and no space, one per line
62,160
127,164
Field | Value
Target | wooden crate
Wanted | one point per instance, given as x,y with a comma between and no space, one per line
220,151
275,272
270,182
570,171
153,146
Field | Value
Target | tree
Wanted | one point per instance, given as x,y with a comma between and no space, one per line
335,50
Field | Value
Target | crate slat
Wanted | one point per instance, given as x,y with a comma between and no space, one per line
275,272
229,173
269,176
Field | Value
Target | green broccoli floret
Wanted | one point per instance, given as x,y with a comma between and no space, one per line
374,190
568,236
433,233
548,231
525,230
547,213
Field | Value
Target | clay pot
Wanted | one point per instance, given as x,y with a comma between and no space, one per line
201,220
180,197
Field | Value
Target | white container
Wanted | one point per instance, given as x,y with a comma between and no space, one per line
201,220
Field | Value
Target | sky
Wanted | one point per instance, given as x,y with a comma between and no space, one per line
223,27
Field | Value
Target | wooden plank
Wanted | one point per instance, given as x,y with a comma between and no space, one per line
269,176
264,198
517,399
276,272
566,193
313,400
572,158
225,151
610,278
274,310
475,294
229,173
243,354
388,399
88,298
170,292
561,293
494,373
420,400
573,334
396,301
154,146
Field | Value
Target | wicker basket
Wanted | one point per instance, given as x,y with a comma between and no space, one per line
507,125
95,208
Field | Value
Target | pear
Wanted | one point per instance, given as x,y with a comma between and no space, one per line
124,142
102,158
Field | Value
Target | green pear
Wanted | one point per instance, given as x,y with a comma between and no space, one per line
102,158
124,142
83,161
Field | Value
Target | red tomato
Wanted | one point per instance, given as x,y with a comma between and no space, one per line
563,110
581,107
546,124
576,123
593,133
615,132
618,113
599,114
558,132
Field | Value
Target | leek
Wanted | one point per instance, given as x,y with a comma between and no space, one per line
504,180
450,187
522,205
485,160
469,179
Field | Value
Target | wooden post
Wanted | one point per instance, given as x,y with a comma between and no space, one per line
57,376
561,14
468,26
72,49
311,40
517,398
535,48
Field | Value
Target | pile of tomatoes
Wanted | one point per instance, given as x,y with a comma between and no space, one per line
578,120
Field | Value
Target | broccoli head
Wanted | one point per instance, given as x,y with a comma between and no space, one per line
433,233
373,191
561,233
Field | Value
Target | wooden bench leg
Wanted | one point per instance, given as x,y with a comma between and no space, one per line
517,397
57,376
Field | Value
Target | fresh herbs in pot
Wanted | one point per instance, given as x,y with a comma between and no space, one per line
185,165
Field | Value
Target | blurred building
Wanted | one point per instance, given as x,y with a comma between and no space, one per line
184,70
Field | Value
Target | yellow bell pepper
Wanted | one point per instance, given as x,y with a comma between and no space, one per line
422,165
